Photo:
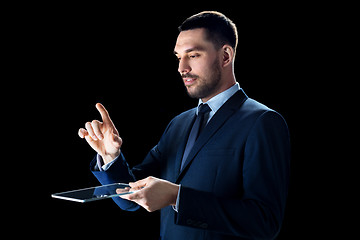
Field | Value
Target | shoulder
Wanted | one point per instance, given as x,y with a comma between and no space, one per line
253,106
264,119
181,119
257,110
184,116
253,114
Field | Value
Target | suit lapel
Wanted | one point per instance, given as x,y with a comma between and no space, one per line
215,123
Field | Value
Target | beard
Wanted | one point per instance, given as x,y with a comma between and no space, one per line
207,85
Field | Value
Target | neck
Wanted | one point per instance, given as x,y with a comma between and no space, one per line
224,85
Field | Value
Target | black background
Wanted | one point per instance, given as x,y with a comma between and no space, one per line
64,58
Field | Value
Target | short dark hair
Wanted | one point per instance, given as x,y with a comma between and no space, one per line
220,29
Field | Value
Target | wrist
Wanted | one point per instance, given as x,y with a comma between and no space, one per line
107,158
175,194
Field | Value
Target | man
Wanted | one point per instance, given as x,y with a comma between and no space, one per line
220,171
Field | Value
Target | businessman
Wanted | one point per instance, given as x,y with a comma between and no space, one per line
220,170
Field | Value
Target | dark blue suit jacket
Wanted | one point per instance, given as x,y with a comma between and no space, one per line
235,181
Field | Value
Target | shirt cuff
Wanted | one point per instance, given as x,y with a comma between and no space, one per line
100,163
176,207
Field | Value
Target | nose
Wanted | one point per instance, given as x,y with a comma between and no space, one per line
184,66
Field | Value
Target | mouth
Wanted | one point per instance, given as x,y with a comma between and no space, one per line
189,81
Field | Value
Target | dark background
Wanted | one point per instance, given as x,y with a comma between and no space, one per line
66,58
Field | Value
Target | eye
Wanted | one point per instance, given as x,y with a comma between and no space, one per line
194,55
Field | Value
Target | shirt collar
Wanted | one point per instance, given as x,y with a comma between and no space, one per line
217,101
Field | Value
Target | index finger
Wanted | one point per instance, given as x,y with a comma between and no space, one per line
103,112
141,183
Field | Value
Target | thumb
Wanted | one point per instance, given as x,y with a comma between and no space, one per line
141,183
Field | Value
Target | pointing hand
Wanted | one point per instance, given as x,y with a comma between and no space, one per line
103,136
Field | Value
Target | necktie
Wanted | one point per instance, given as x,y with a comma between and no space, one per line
199,124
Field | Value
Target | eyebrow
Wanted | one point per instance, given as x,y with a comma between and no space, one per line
192,49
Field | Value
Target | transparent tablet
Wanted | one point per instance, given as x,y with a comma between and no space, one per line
94,193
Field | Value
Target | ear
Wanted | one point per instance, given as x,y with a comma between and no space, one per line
228,55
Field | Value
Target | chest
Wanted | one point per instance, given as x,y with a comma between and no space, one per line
217,165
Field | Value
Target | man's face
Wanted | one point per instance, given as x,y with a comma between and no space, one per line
199,64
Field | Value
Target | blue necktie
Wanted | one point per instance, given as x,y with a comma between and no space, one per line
199,124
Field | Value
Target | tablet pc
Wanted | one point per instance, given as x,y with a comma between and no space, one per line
94,193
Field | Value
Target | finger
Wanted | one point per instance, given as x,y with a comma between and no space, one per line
104,113
122,190
89,139
141,183
90,131
96,128
82,133
132,196
124,196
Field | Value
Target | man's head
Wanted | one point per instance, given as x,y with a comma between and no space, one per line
206,48
220,30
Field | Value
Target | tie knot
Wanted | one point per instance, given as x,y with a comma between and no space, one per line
204,108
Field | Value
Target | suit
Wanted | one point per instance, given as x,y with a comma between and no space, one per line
234,182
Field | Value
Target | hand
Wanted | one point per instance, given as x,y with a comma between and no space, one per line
153,193
103,137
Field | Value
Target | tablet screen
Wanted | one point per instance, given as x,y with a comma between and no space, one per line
94,193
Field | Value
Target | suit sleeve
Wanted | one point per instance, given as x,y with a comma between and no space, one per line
258,213
119,172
